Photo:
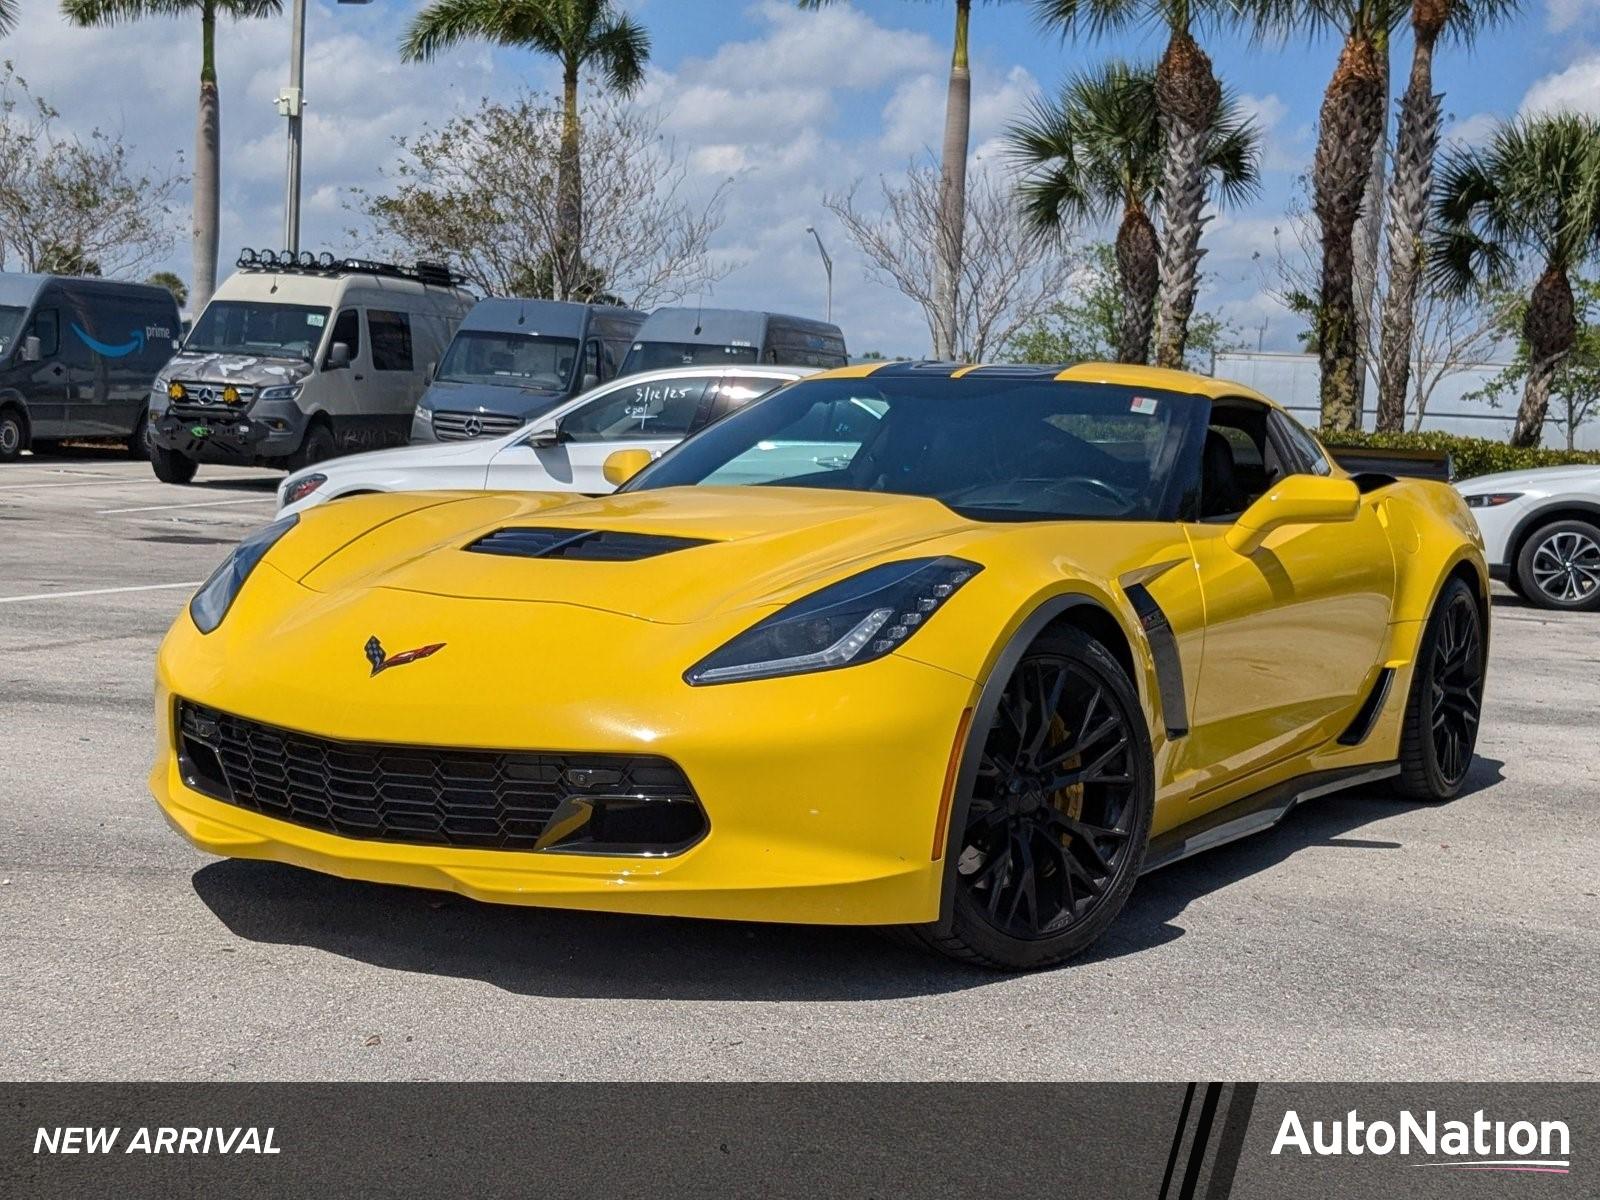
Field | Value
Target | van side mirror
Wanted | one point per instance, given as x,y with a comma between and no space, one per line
622,465
427,376
590,380
1294,500
32,351
338,356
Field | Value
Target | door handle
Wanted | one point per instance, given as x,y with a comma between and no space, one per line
58,370
359,378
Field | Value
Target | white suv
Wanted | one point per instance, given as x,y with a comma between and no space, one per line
561,451
1541,532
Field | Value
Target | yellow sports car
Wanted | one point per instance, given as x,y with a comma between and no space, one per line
960,649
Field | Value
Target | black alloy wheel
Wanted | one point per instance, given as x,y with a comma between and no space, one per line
1059,816
1446,703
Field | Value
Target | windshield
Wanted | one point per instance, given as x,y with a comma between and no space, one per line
10,325
653,356
252,327
510,359
1003,449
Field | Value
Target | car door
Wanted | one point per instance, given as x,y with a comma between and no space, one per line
338,389
631,414
45,381
389,394
1294,631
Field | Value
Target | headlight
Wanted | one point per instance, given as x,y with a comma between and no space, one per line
212,601
282,392
853,621
301,486
1492,499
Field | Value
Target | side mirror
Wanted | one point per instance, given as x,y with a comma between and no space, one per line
622,465
543,435
590,380
1295,500
427,376
338,356
32,351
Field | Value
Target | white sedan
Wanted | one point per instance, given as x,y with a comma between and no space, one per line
1541,532
562,451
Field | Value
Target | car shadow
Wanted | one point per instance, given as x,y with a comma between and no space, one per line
555,953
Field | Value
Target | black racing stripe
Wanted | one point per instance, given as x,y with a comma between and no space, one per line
1230,1146
1177,1141
1201,1143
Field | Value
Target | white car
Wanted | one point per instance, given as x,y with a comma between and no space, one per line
1541,530
562,451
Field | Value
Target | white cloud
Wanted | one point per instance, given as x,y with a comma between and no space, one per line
1562,15
1576,89
1281,150
1474,130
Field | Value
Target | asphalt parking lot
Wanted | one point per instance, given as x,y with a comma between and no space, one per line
1365,938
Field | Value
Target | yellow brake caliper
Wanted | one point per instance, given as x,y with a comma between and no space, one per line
1068,800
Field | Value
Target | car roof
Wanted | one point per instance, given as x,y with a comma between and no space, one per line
555,318
1123,374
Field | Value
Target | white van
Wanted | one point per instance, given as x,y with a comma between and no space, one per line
297,359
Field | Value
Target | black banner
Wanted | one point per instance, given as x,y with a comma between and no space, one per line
1161,1141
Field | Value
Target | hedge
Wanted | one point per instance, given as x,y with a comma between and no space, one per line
1471,456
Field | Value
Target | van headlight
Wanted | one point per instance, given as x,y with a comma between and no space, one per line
211,603
856,620
289,391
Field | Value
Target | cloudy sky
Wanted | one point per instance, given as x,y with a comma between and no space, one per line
790,104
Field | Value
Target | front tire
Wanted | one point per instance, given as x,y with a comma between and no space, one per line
12,435
317,446
1440,732
1559,567
141,442
172,467
1058,821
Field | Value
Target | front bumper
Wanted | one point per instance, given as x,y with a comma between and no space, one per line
822,792
264,430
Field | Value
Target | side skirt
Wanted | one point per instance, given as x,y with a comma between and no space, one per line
1255,813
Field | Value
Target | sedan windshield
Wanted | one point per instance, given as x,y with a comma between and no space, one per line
252,327
654,356
509,359
10,322
1001,449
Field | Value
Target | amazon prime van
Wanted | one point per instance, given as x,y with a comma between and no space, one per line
77,357
725,337
297,359
513,360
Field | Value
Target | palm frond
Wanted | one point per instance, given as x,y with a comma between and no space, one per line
620,47
117,12
1233,153
8,16
444,24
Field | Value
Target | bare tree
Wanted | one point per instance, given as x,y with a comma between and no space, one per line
481,192
75,205
1009,275
1453,331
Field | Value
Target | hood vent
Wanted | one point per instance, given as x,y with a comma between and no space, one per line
595,545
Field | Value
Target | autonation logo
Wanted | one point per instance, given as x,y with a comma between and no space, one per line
1480,1144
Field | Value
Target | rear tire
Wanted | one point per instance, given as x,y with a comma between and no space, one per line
141,442
1440,730
13,435
1559,567
1058,821
171,466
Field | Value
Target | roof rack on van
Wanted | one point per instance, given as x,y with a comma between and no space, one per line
306,263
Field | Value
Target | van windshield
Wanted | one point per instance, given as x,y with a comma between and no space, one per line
10,325
522,360
652,356
253,327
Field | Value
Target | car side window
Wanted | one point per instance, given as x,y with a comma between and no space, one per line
391,339
47,328
591,361
735,391
1307,457
647,409
346,329
1238,463
823,440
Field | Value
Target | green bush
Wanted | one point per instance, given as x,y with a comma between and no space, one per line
1471,456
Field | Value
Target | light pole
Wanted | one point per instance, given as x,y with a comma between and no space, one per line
827,265
291,104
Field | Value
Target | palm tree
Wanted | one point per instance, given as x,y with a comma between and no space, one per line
952,182
1410,191
1533,190
1187,99
8,15
208,126
578,34
1096,151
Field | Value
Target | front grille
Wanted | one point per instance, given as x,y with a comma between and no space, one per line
594,545
209,395
462,427
221,414
431,796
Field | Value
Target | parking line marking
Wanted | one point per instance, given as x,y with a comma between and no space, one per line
141,587
92,481
106,512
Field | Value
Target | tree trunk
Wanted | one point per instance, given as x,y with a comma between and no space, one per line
207,168
1139,273
953,191
1352,118
1368,235
1416,142
1187,95
1550,329
567,254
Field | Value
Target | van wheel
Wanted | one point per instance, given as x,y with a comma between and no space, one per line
172,467
12,435
317,446
141,442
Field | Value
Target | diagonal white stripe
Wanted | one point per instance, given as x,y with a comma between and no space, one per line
143,587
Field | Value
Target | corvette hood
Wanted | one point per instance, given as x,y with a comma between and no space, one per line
731,547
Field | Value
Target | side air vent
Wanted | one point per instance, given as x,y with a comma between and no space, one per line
1367,716
595,545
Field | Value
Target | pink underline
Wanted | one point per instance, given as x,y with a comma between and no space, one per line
1531,1170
